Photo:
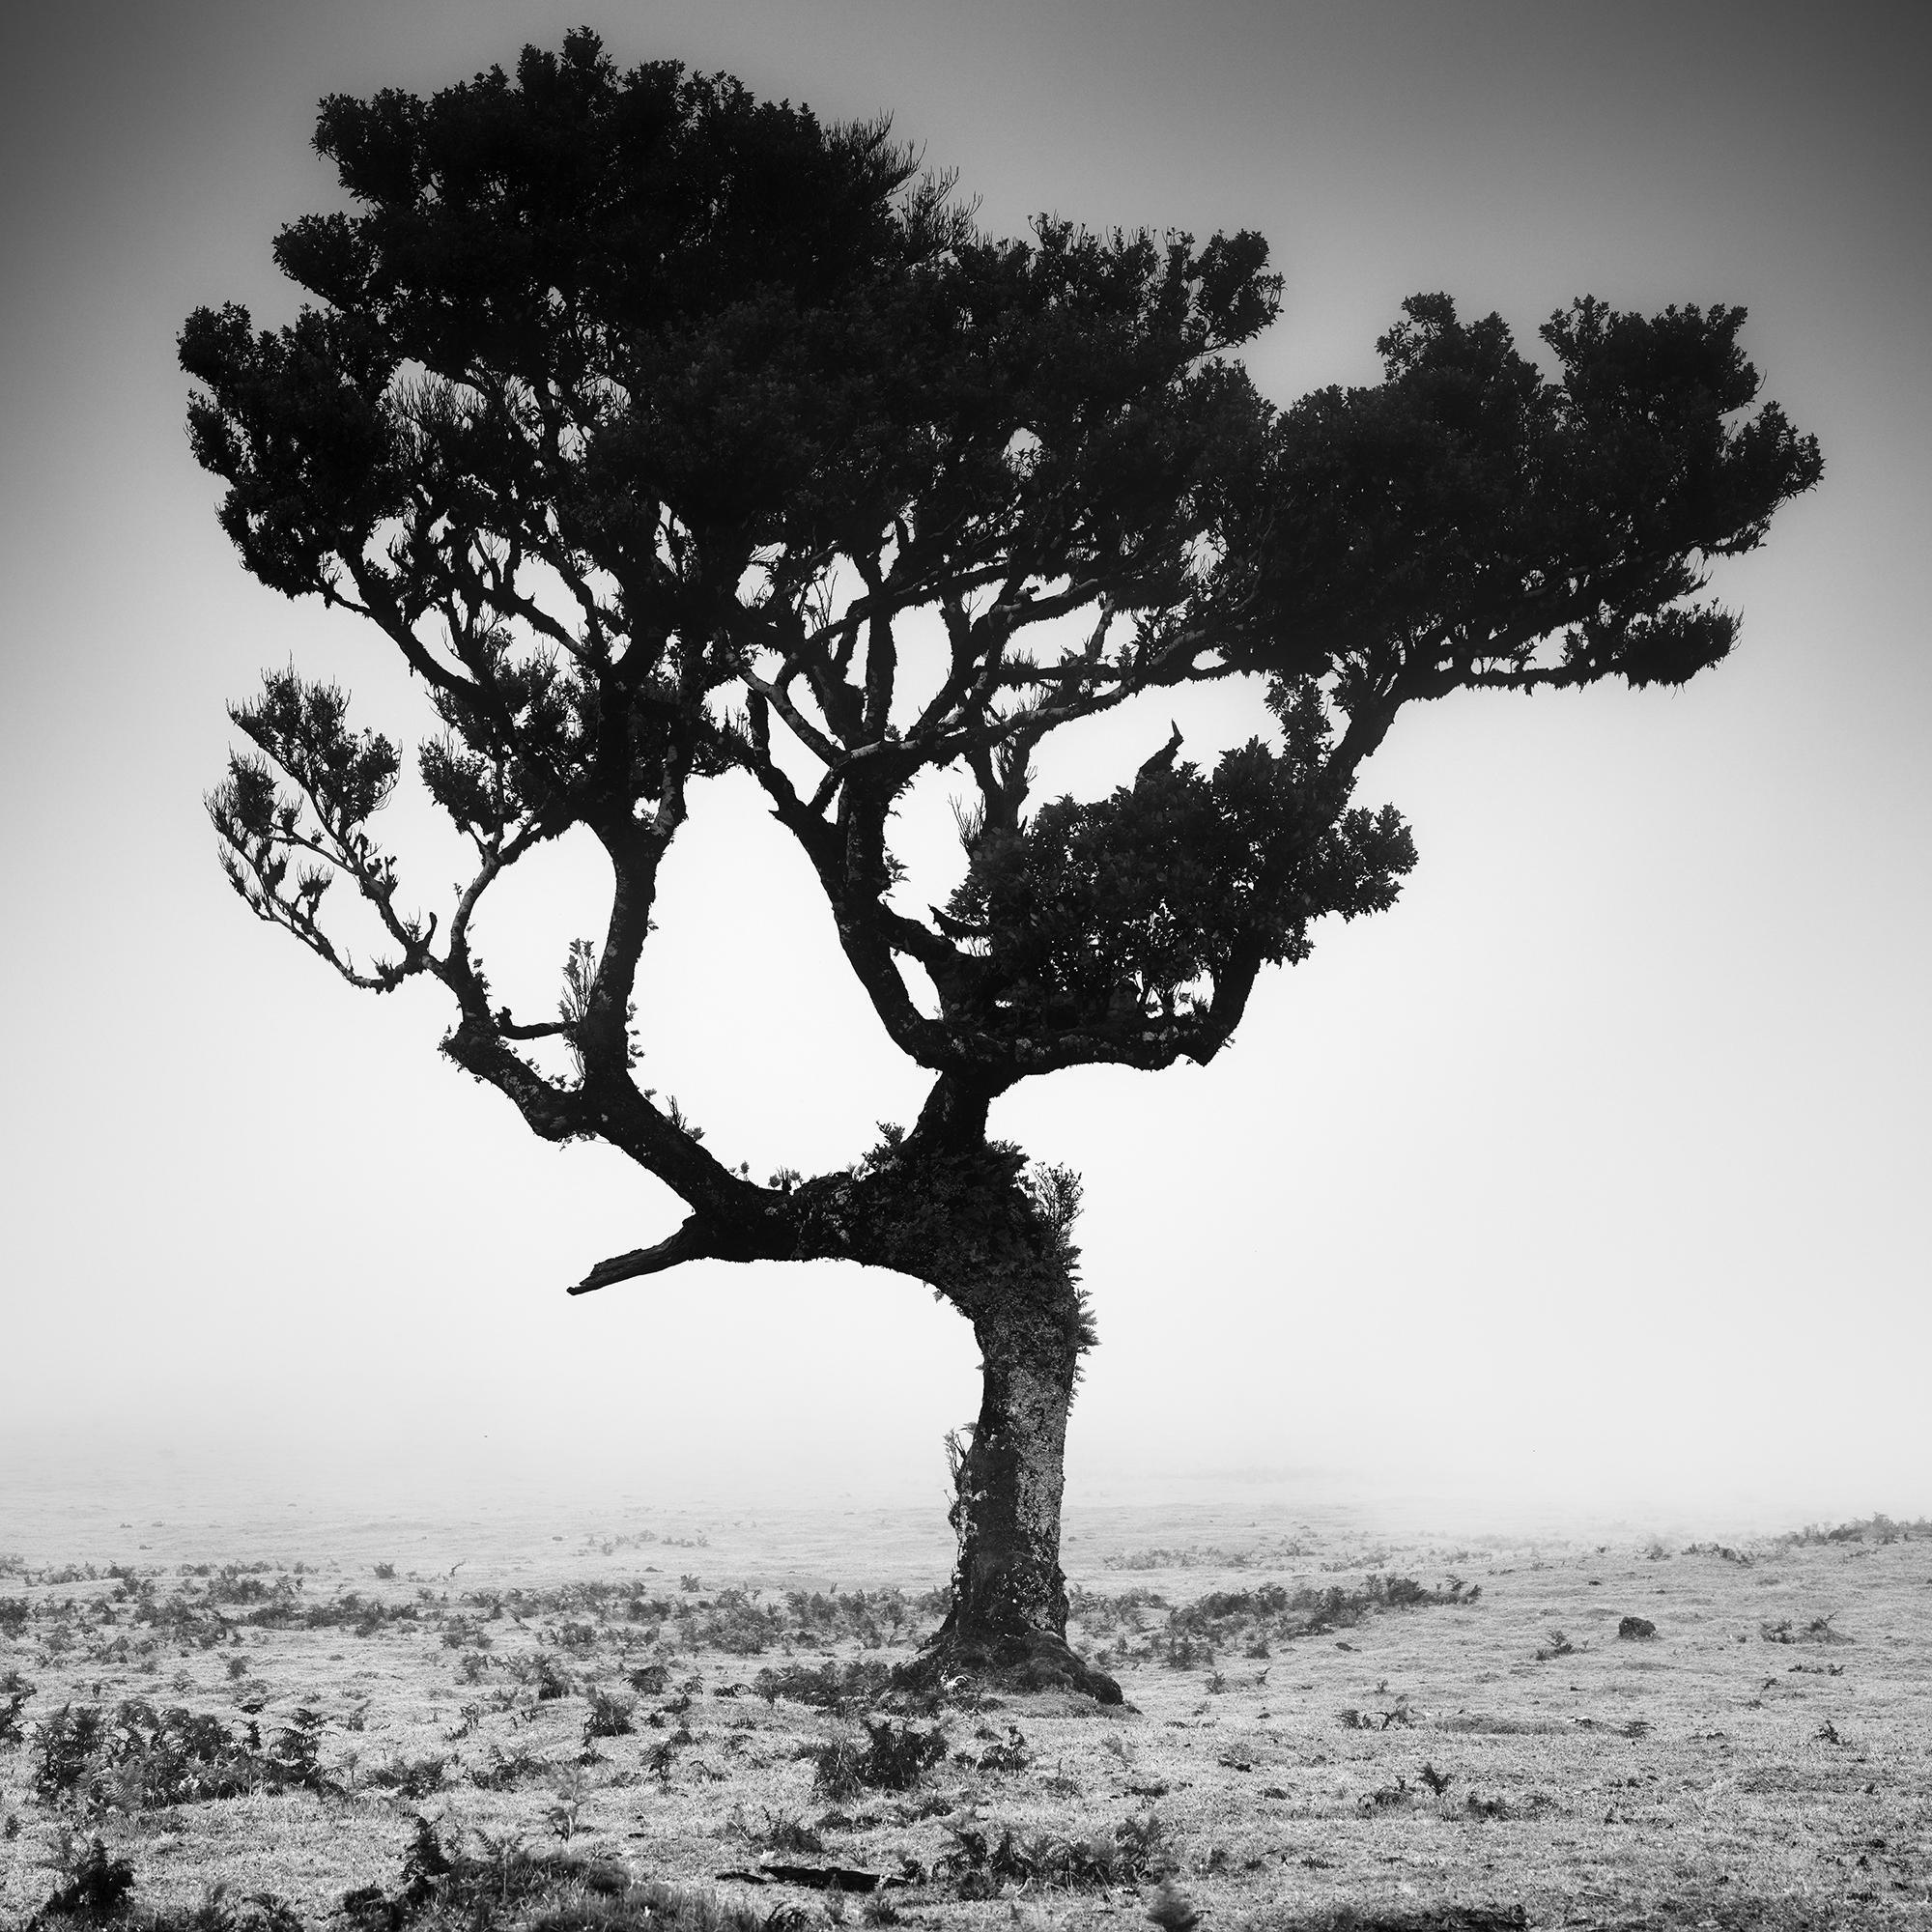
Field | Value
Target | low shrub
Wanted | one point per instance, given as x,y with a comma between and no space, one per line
1252,1620
782,1833
96,1883
66,1747
506,1769
15,1693
1005,1754
410,1777
834,1768
218,1912
542,1673
979,1864
504,1882
296,1752
827,1686
1818,1631
898,1754
1878,1529
894,1756
609,1715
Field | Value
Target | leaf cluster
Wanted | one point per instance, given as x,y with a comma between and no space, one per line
1108,913
1433,530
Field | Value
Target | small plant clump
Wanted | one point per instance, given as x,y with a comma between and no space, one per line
859,1682
1009,1754
508,1769
95,1884
895,1756
410,1777
1818,1630
503,1884
783,1832
1192,1636
16,1693
141,1759
980,1863
1878,1529
608,1715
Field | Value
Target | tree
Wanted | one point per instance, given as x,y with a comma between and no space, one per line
668,434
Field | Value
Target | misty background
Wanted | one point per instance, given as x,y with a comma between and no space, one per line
1591,1178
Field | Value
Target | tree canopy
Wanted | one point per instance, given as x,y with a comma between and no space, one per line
667,432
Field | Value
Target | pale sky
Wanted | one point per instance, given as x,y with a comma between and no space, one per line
1593,1172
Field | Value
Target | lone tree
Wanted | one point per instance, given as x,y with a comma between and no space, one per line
670,434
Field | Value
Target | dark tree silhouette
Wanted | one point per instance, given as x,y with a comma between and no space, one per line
669,434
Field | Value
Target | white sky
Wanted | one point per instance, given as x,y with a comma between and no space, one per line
1595,1170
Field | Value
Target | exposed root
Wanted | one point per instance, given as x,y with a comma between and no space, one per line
1037,1661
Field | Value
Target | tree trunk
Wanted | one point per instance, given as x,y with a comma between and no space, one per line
1009,1615
1009,1480
993,1236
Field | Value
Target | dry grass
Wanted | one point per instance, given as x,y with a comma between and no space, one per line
1309,1737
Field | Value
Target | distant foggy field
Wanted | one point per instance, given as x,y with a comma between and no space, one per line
1461,1739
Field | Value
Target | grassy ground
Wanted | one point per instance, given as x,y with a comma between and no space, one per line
1418,1732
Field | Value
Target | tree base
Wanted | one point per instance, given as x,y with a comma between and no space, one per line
1037,1661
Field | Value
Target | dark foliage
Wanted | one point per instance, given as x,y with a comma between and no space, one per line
221,1912
66,1747
1400,1919
1193,1634
1005,1754
979,1862
1878,1529
143,1759
896,1755
410,1777
15,1693
857,1683
95,1890
608,1715
507,1769
508,1884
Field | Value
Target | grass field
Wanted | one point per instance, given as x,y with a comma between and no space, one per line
497,1722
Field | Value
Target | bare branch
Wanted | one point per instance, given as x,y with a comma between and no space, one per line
690,1244
807,734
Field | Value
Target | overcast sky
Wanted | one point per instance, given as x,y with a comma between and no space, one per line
1597,1169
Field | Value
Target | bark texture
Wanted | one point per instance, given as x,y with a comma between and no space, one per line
1009,1615
1009,1484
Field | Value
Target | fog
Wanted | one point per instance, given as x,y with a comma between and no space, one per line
1589,1178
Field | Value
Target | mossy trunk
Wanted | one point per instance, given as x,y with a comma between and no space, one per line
992,1234
1008,1485
1009,1615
